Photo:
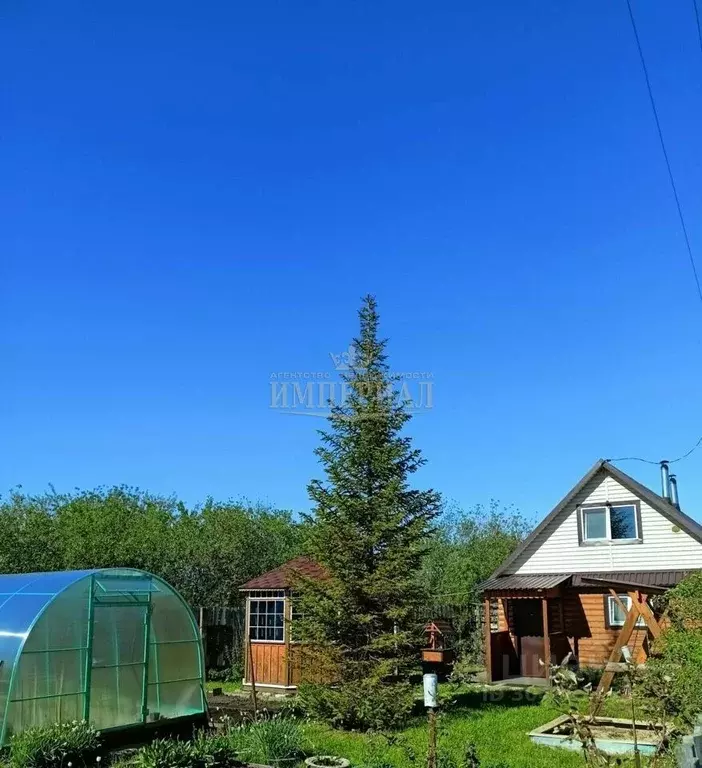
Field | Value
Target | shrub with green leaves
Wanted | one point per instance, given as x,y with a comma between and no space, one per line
204,751
213,750
276,740
165,753
365,705
673,676
55,746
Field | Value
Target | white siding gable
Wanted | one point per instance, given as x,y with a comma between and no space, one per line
557,550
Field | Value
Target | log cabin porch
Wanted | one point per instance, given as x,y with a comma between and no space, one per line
532,621
524,629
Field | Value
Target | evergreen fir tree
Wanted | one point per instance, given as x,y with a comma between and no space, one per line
369,527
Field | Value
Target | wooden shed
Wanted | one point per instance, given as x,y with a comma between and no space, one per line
271,657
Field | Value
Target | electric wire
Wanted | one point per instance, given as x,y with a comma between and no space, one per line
699,26
662,141
648,461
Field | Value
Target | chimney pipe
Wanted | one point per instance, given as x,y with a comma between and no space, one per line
665,480
674,498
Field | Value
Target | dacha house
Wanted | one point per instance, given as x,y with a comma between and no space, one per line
569,588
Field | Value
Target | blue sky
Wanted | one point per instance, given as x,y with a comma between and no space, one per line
196,195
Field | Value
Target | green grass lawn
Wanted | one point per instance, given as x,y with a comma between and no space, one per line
231,687
498,728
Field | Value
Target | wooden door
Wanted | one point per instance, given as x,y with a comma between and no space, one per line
531,651
529,628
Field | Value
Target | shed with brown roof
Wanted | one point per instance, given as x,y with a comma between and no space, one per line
272,659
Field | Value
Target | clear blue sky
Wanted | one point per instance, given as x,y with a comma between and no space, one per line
195,195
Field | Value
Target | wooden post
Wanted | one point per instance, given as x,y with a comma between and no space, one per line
252,672
431,754
547,639
203,632
287,613
488,644
622,639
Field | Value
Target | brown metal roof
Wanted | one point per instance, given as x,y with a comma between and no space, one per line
526,582
653,580
283,577
657,579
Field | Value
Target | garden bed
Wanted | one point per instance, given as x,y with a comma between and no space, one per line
612,735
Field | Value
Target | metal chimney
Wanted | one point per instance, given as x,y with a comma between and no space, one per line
665,480
674,498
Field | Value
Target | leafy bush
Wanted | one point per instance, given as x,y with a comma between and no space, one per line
165,753
465,670
55,746
272,741
214,751
364,705
673,676
590,676
204,751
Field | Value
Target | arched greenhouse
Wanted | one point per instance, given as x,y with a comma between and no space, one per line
116,647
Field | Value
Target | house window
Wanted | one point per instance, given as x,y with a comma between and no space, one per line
622,522
615,616
616,522
266,617
595,523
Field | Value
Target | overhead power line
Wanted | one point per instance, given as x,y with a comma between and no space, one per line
699,26
670,461
663,147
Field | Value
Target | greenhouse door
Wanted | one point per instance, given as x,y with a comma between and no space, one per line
119,671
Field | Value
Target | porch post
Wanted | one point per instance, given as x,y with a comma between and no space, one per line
488,644
547,639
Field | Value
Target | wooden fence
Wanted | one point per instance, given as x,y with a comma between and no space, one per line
223,629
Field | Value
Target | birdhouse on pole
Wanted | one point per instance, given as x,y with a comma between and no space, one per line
438,643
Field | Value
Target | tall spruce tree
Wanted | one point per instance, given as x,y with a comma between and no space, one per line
370,529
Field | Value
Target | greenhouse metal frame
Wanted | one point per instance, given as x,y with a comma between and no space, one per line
117,647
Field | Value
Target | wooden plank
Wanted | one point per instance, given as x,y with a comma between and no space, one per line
619,667
487,640
247,670
647,615
547,639
287,618
606,680
619,602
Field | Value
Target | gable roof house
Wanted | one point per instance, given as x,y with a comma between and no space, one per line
564,589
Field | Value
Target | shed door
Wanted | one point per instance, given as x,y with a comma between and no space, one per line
118,675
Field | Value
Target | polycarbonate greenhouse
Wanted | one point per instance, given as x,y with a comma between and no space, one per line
115,647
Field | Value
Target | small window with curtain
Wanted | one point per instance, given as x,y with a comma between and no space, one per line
595,520
611,522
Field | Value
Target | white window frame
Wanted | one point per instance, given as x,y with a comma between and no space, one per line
265,596
607,508
611,603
